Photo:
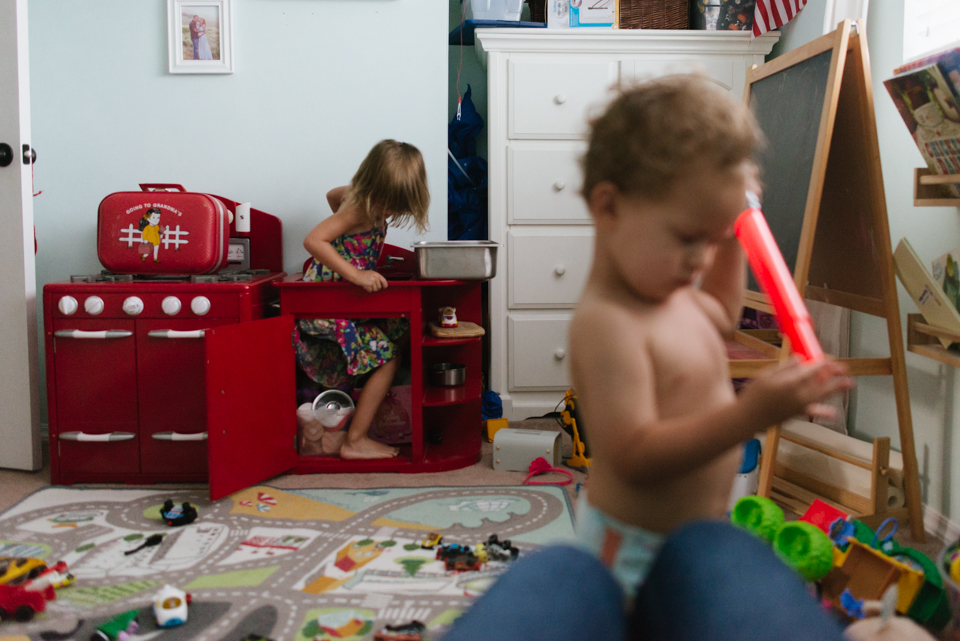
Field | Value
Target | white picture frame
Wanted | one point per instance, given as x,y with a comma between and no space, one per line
212,21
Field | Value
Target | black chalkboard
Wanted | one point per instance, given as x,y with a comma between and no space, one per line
789,105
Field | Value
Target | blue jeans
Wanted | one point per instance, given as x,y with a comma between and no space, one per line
196,48
711,581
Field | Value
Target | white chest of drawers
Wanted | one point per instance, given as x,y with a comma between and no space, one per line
541,86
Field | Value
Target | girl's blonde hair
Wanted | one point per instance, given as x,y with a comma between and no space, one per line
391,182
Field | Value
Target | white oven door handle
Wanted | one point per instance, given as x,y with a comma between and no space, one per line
97,438
172,333
101,334
176,436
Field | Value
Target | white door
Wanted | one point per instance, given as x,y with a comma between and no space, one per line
19,384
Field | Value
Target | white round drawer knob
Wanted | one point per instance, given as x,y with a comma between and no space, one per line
559,185
560,99
170,305
560,270
133,306
200,305
93,305
68,305
559,354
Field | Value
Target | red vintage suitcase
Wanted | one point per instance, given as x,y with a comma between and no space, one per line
155,231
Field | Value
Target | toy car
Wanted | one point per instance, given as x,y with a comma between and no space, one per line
464,562
448,317
432,540
170,606
56,576
498,550
174,515
480,550
412,631
444,551
19,603
17,570
119,628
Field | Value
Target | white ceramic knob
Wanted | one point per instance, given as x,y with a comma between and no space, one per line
170,305
200,305
68,305
560,270
93,305
133,306
559,185
559,354
560,99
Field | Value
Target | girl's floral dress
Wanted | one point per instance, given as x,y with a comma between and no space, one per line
335,351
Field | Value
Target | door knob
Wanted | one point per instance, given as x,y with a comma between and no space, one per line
6,154
29,155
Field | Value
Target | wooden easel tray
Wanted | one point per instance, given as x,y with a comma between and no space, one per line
465,329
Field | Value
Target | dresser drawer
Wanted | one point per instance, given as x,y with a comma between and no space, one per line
550,99
538,351
548,266
721,69
544,181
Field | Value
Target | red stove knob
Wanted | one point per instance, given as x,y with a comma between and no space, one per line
133,306
171,305
93,305
68,305
200,305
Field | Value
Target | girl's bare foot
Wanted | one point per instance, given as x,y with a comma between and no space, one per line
331,442
366,448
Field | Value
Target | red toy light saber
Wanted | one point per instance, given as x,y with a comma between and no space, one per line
775,280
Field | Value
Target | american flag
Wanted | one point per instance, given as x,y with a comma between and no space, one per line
773,14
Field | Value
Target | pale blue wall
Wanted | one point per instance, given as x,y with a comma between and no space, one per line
932,231
317,83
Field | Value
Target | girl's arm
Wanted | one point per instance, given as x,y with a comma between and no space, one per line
319,243
335,197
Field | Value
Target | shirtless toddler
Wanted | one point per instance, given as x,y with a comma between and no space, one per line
665,176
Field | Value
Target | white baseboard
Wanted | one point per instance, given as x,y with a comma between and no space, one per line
938,525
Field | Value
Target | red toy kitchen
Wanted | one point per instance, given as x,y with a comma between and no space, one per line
157,377
125,353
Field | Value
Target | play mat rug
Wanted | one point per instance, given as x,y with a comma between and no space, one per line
291,565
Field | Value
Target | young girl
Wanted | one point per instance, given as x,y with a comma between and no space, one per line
390,185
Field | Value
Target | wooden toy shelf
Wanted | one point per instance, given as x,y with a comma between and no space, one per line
929,189
445,421
922,339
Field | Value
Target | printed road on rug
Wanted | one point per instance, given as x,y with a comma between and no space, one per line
290,565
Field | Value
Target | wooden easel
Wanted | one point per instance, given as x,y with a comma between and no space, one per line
844,256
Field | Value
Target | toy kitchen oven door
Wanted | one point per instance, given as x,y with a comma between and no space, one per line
166,378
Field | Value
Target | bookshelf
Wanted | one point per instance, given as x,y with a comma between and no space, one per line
923,339
929,189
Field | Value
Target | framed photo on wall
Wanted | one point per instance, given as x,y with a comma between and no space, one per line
200,36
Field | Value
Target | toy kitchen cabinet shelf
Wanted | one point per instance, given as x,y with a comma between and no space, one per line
930,190
923,339
445,421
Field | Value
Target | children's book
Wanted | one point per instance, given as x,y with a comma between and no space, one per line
925,291
929,107
948,61
946,271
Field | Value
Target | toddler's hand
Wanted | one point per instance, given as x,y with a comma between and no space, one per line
371,281
796,388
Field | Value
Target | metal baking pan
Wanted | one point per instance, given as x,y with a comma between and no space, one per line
456,259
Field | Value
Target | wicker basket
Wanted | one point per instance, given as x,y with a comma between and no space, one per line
654,14
538,10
